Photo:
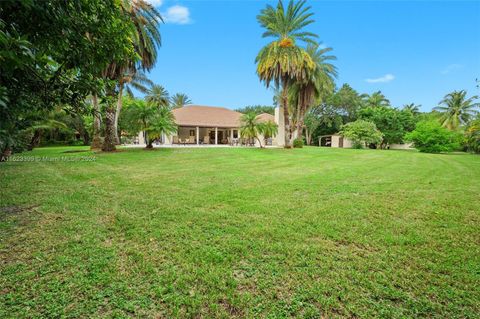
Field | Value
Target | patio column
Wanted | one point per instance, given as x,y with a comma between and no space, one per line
216,135
198,135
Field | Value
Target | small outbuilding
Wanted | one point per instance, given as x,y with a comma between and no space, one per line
334,140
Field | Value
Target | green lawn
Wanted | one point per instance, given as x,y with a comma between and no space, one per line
241,233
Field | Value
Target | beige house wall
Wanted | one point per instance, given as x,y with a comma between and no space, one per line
406,146
279,140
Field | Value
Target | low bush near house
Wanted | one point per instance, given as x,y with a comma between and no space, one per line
298,143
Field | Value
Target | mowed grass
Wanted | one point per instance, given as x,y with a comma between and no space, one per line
271,233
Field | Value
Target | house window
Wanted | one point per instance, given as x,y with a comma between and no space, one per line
235,134
192,132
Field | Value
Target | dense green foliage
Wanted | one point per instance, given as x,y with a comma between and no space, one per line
472,136
303,233
393,123
51,54
361,133
431,137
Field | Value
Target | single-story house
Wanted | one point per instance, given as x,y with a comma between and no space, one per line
203,125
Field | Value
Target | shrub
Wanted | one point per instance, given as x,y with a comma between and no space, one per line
361,132
298,143
472,137
431,137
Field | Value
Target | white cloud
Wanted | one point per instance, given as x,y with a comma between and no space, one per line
452,67
383,79
177,15
155,3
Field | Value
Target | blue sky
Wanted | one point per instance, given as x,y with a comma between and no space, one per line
413,51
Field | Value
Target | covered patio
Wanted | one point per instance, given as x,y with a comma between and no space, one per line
206,135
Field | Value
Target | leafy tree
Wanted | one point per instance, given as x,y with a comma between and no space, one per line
250,127
282,61
361,133
431,137
158,96
257,109
456,109
179,100
376,99
51,54
312,122
391,122
268,129
162,122
347,102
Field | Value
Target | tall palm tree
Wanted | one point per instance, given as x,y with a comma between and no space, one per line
376,99
158,96
282,61
456,109
145,37
163,122
319,85
412,107
138,81
250,127
179,100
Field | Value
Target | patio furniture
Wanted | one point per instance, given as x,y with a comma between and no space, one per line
191,140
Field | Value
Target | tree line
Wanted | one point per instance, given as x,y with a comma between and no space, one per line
300,69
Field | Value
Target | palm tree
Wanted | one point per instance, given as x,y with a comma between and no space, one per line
179,100
456,109
412,107
138,81
376,99
319,85
145,38
268,129
143,113
163,122
250,127
282,61
158,96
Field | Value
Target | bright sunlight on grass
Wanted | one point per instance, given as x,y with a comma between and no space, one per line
240,233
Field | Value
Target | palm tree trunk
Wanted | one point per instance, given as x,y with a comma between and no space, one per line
117,113
259,142
96,141
109,141
286,115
